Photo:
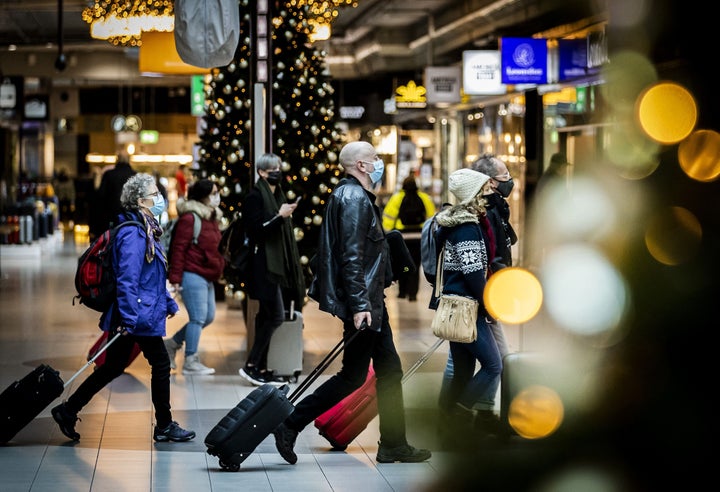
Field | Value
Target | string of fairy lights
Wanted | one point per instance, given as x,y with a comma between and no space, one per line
122,22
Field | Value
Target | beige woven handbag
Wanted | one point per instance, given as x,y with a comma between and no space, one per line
456,316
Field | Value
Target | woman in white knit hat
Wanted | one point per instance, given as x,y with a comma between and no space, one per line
469,248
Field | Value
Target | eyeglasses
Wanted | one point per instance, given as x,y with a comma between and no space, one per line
153,195
503,177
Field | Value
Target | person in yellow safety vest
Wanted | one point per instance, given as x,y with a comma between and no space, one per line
407,210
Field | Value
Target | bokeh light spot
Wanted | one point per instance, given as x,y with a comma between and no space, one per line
699,155
673,236
513,295
584,293
667,112
631,152
627,76
536,412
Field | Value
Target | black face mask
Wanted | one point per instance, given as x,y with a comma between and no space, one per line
274,177
505,187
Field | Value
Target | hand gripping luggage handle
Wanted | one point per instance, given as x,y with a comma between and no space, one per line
90,362
331,356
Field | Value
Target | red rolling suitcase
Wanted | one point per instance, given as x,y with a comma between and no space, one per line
245,426
102,342
346,420
23,400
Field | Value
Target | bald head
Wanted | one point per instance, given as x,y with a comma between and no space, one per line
352,154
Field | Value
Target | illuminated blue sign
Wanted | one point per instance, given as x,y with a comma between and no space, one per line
524,60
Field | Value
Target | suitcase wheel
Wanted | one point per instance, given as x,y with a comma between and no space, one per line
229,465
296,375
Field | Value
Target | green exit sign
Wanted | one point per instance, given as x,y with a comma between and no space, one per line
149,136
197,95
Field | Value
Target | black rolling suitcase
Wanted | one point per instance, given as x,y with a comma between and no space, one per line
24,399
244,427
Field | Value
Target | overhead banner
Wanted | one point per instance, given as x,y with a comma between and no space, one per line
524,60
442,84
481,73
158,54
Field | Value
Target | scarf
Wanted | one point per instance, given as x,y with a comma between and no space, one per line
153,231
281,251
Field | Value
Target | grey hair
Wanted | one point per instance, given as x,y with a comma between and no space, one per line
487,164
356,151
135,188
268,161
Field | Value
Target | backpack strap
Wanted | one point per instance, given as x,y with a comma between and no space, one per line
197,225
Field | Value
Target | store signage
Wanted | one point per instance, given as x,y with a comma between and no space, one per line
149,136
158,55
410,95
524,60
481,72
442,84
36,107
572,58
11,97
197,95
352,112
597,49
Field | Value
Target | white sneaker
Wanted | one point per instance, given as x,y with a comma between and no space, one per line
193,366
172,347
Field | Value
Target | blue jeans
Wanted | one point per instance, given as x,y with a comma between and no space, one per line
459,385
198,295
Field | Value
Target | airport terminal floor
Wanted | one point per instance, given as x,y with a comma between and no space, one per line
116,451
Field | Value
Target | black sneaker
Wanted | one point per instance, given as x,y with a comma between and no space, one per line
403,454
173,432
66,421
258,378
285,442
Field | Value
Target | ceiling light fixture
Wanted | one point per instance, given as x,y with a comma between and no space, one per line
122,22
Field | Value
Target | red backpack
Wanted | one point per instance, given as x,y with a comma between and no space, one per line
95,280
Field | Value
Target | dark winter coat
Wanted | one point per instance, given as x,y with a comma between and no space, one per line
498,213
143,301
108,194
202,258
465,265
263,224
353,259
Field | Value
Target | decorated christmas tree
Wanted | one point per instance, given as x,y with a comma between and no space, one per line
304,132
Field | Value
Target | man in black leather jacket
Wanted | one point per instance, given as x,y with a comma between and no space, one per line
353,270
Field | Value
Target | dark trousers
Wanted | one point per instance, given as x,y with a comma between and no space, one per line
408,283
369,344
271,314
116,359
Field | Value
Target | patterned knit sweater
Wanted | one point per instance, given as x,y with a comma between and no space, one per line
466,257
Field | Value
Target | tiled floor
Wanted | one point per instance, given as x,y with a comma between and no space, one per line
116,451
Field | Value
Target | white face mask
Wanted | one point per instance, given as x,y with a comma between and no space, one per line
214,200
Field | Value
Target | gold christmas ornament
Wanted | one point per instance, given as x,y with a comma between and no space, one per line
317,220
299,234
315,199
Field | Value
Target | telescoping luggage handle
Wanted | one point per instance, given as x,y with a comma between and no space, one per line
331,356
90,362
422,359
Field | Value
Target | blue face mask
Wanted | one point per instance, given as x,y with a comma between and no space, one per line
158,205
377,174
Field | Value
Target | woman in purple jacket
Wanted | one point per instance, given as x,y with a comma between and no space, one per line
140,311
